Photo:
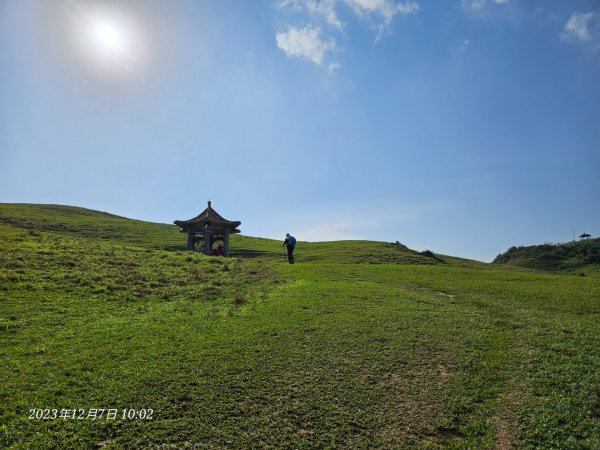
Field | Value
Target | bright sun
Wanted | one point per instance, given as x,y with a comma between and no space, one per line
107,37
110,40
111,44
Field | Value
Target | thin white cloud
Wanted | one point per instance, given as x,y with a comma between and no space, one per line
333,67
338,230
386,9
306,43
480,5
348,221
473,5
294,4
326,9
310,43
583,28
319,8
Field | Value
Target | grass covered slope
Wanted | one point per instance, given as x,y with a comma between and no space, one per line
577,257
73,221
85,223
250,352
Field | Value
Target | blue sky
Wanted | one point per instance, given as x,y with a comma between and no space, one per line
463,126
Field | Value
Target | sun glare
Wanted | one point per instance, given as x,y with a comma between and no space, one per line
107,42
108,37
110,41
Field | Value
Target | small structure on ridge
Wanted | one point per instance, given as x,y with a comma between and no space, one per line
207,228
584,236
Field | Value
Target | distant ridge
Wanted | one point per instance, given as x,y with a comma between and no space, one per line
577,257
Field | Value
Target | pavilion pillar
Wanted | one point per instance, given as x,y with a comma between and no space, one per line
207,242
190,240
226,241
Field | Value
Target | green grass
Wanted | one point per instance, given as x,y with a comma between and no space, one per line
71,221
358,345
580,258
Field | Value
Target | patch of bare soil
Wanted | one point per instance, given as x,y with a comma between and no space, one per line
412,405
505,420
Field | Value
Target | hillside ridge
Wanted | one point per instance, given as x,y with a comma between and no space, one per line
581,257
90,224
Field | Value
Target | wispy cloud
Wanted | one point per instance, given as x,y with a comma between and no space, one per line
333,67
328,9
325,9
463,46
481,5
312,44
306,43
379,12
338,230
583,28
473,5
386,9
349,221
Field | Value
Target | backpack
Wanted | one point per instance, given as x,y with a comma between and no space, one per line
292,241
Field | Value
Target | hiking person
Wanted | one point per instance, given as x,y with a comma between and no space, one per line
290,242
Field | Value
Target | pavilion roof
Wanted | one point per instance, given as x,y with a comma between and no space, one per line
208,217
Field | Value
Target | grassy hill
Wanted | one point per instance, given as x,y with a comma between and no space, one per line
100,226
357,345
578,257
